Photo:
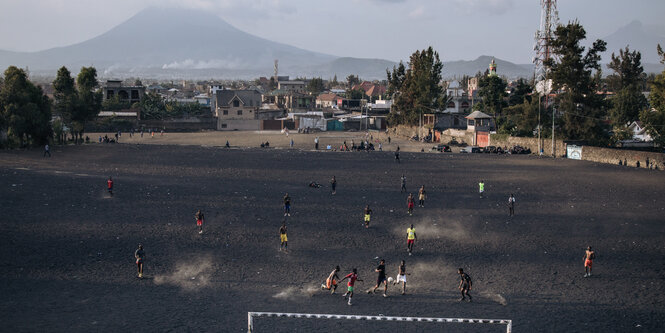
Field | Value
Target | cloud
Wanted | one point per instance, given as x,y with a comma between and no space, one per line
388,1
493,7
418,12
205,64
234,8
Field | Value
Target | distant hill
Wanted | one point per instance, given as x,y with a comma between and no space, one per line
637,37
194,44
480,64
157,40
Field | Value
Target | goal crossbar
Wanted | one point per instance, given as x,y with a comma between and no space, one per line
251,315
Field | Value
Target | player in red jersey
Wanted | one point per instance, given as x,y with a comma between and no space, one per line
109,184
353,277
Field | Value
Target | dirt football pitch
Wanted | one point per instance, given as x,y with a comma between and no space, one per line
67,247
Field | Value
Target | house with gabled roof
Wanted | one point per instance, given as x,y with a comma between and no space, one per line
327,100
237,109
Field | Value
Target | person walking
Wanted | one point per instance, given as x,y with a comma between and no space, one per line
380,279
109,185
139,255
511,205
353,277
368,216
333,185
287,205
401,276
47,150
403,181
481,188
397,155
421,196
410,238
316,143
464,284
199,220
283,239
589,256
410,203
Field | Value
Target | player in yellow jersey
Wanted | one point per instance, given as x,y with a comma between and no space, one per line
410,238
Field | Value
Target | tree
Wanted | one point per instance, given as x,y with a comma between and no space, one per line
522,119
416,91
654,118
89,100
627,83
577,77
114,104
151,106
65,95
520,92
352,80
355,94
334,82
492,91
25,109
395,78
315,86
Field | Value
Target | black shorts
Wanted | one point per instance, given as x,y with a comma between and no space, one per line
380,280
465,286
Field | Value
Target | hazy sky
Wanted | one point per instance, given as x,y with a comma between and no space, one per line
389,29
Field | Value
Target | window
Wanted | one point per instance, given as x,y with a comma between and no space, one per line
225,112
236,103
451,105
240,112
471,122
223,125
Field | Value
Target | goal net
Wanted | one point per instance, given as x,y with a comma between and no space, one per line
252,315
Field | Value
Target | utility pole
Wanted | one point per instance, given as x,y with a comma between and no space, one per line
553,152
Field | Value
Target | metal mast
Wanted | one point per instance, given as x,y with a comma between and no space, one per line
549,19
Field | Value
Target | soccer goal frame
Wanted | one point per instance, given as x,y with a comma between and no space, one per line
252,315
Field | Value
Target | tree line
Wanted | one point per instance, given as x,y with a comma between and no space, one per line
587,106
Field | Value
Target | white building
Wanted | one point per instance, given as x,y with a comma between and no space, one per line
459,102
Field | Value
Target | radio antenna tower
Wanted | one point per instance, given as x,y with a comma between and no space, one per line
549,20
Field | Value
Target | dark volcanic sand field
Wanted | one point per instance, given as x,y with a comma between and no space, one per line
66,248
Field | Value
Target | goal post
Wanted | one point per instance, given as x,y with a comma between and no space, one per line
252,315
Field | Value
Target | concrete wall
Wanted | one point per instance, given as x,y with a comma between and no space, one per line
239,125
186,125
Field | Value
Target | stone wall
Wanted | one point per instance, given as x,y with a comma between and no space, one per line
461,136
613,156
531,143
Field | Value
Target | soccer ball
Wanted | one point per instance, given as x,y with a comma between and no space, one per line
390,279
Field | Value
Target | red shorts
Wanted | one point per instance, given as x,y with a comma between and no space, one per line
410,204
588,263
199,222
409,241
